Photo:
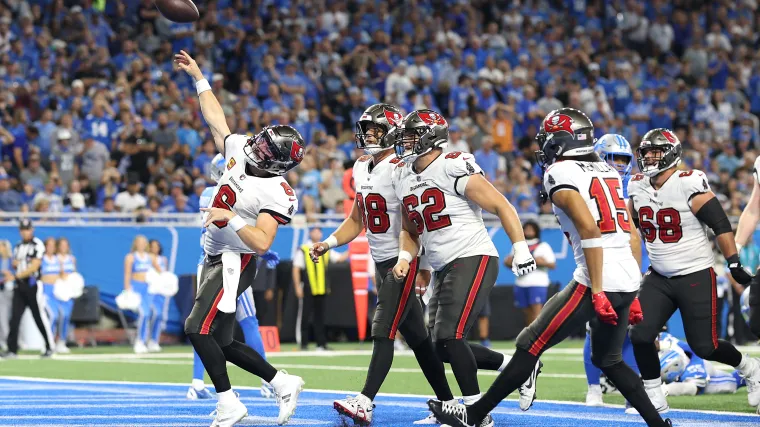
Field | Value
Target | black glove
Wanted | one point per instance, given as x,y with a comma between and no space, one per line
739,273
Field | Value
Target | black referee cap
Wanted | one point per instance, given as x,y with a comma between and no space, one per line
25,224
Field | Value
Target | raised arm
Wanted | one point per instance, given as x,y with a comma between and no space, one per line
210,107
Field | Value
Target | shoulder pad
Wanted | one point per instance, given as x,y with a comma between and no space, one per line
693,182
364,158
637,177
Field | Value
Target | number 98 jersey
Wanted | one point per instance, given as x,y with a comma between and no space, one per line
247,196
449,225
600,186
378,205
676,240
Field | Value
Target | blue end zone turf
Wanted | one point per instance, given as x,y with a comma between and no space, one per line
39,402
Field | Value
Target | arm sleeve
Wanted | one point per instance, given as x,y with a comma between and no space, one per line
713,215
461,166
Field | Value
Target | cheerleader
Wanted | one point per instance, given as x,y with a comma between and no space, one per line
137,263
159,310
69,265
50,272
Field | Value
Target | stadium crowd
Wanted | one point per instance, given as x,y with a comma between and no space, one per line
94,118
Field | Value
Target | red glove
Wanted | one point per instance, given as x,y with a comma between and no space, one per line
635,316
604,309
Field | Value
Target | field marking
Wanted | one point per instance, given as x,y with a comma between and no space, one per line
348,392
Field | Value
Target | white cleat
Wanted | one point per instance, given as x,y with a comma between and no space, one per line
140,348
60,347
751,375
357,408
153,347
594,397
227,415
430,419
528,389
657,396
287,390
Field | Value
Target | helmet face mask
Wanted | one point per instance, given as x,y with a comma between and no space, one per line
276,149
616,151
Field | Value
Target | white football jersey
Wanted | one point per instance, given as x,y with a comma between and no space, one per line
756,170
378,205
450,226
600,186
247,196
675,238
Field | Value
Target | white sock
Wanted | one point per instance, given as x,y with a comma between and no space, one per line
198,384
744,365
453,401
227,396
278,381
363,398
595,388
469,400
505,362
649,384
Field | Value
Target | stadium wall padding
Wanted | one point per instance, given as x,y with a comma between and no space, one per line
100,252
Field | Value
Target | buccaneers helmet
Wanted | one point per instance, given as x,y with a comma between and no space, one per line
384,116
665,149
564,132
613,147
420,132
276,149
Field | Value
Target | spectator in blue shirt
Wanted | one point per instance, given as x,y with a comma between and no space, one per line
100,126
488,159
10,199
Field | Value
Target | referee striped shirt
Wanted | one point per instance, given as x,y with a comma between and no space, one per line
25,252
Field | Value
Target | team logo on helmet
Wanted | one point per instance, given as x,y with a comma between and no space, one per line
431,118
669,136
392,117
231,163
558,123
296,151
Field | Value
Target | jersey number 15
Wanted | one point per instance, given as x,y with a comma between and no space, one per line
607,222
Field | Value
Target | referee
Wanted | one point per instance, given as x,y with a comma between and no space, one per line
27,259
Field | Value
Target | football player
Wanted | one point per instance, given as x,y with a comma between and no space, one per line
443,196
686,374
246,308
616,151
672,209
377,209
587,199
747,225
249,203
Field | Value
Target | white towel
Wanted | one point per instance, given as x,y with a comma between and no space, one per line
231,265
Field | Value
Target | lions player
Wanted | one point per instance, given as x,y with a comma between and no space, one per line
250,201
686,374
673,209
616,151
443,196
246,309
747,225
587,200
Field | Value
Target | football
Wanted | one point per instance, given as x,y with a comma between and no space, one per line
178,10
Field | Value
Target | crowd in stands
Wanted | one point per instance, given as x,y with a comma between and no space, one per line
94,117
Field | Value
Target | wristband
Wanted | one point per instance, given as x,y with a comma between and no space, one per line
406,256
331,242
202,86
591,243
237,223
521,246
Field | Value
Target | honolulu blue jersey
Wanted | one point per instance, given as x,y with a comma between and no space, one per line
50,265
68,264
141,264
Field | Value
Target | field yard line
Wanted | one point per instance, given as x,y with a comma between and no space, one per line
344,392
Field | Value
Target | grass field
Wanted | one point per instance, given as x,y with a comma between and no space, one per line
344,368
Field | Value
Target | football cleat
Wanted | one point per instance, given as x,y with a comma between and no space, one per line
201,394
528,389
357,408
47,354
629,409
10,356
594,397
657,396
153,347
286,393
227,415
140,348
430,419
452,414
751,376
60,347
487,421
267,391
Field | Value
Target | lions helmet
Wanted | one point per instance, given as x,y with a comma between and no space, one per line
420,132
672,365
612,148
565,132
384,117
659,151
276,149
216,169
